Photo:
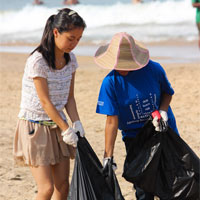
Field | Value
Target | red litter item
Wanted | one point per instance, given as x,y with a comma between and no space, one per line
156,114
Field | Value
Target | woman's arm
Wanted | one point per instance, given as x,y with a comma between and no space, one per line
71,104
110,134
43,94
165,101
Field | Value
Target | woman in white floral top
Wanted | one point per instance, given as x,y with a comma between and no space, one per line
43,139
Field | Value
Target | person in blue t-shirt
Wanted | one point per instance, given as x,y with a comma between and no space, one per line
135,89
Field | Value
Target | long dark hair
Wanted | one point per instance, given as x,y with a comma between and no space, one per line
64,21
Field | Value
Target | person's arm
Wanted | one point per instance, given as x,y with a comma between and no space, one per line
196,5
165,101
160,117
43,94
110,135
71,103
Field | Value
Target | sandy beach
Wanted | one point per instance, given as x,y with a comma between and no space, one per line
17,182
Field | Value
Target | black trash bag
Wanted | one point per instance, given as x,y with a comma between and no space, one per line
111,180
89,181
164,165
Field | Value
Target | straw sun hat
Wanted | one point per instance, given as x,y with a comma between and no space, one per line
122,53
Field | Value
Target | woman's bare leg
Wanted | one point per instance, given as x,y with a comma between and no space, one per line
44,181
61,180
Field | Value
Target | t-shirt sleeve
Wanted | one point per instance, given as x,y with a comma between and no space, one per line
36,67
164,82
107,102
74,62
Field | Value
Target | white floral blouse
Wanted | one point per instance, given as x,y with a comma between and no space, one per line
58,83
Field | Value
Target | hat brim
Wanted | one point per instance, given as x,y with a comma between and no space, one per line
122,53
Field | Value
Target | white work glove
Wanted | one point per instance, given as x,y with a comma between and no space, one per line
160,120
70,137
77,126
105,161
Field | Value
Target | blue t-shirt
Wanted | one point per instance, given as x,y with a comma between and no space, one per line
134,97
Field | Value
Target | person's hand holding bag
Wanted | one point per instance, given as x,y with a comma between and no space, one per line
78,127
70,137
105,161
160,120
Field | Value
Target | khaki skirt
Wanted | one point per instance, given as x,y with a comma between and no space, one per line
39,145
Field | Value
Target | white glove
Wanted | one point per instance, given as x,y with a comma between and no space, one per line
77,126
70,137
105,161
159,121
163,115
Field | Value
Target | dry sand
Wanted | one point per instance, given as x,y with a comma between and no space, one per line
17,182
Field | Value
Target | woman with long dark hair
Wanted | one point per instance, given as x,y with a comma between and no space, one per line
44,139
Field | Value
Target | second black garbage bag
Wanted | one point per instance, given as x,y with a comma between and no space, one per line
164,165
89,180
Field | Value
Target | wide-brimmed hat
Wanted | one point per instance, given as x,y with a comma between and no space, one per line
122,53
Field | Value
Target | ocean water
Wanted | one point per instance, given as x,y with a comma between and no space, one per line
150,21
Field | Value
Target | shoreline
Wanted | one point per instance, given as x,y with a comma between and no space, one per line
164,52
170,42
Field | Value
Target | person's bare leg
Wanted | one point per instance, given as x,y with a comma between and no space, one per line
61,180
198,27
44,181
38,2
70,2
66,2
